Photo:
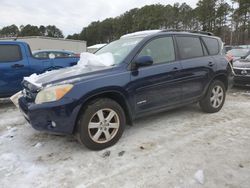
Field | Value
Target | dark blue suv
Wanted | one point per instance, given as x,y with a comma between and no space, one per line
153,71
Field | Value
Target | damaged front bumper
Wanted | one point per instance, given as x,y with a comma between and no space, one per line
16,97
57,117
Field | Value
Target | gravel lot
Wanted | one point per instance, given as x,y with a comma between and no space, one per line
164,150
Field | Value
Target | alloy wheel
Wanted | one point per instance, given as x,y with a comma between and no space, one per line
104,125
217,96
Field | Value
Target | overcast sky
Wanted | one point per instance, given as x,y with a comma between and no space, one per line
69,15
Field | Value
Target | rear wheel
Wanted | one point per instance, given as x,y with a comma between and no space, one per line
215,97
101,124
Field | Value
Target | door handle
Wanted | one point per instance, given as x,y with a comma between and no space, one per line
210,64
17,66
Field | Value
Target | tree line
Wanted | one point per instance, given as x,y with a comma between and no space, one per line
231,23
228,19
31,30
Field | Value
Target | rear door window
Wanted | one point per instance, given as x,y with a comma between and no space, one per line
212,45
160,49
189,47
61,54
41,55
10,53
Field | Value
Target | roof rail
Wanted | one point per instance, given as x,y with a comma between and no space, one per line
189,31
141,33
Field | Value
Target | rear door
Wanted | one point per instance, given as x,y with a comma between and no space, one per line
14,66
197,66
157,86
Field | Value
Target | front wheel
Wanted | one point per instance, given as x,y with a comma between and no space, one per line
101,124
214,98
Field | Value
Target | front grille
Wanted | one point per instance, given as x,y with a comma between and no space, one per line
242,72
29,91
29,96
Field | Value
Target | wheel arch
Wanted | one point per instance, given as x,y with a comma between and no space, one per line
115,95
223,78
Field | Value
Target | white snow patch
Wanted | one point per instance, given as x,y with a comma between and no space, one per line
33,170
105,59
199,176
86,59
11,129
38,145
10,120
32,79
9,157
10,133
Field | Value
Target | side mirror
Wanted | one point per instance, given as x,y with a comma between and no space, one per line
143,61
52,56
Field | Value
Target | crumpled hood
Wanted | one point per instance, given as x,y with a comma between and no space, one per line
89,65
242,64
64,76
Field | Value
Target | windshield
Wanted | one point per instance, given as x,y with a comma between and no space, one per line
120,48
238,52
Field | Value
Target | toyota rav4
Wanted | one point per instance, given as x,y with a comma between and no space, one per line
152,71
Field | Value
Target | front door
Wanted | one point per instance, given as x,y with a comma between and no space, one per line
157,86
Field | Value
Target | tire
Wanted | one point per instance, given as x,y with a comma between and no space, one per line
214,98
101,124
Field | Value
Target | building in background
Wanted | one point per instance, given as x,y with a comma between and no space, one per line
41,43
94,48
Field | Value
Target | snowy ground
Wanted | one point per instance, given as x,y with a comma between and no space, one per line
164,150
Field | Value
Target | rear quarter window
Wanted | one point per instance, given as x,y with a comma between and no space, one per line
189,47
10,53
212,45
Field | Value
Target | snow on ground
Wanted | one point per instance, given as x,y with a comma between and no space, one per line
181,148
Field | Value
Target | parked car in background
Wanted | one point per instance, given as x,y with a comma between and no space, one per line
44,54
59,58
239,53
242,72
228,47
244,46
17,61
151,71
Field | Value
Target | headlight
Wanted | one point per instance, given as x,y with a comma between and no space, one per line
53,93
